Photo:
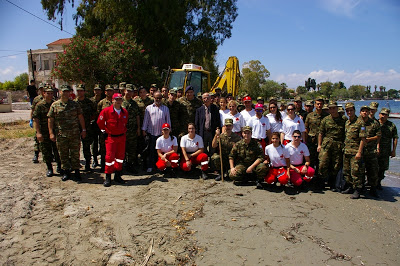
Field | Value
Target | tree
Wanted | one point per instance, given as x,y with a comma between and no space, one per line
21,81
171,31
326,88
270,88
357,91
284,92
254,75
301,90
340,93
382,88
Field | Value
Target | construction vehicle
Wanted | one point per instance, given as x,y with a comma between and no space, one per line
196,76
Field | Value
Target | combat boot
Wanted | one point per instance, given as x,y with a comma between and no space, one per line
356,194
132,168
118,178
204,176
36,157
95,162
373,192
59,170
107,183
77,176
49,172
87,166
66,175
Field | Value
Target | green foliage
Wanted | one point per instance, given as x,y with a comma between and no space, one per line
20,83
91,60
340,94
254,75
326,88
270,88
301,90
357,92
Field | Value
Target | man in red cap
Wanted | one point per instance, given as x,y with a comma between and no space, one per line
113,121
260,126
248,111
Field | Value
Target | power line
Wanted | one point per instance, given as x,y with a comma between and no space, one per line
11,55
11,51
39,18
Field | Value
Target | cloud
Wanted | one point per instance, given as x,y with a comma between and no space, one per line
390,78
9,73
340,7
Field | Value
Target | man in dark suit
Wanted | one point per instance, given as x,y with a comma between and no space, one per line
207,120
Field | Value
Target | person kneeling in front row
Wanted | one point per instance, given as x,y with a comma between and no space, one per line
279,160
167,147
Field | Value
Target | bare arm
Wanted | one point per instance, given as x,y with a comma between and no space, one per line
82,122
50,121
360,149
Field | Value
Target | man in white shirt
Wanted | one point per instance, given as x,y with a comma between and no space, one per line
248,112
260,125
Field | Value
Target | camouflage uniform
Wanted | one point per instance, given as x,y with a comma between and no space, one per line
303,113
175,113
244,155
353,170
35,101
312,124
389,132
331,155
88,111
48,147
131,134
66,123
141,142
227,142
94,128
189,112
370,154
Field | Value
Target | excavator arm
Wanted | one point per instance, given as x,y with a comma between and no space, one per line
228,80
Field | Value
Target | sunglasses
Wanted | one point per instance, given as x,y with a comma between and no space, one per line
296,137
290,109
158,98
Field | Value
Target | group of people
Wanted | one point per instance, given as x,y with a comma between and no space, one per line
268,143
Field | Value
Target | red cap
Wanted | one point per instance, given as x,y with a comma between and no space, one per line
117,95
247,98
166,125
259,106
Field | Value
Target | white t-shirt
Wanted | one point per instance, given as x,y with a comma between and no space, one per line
192,145
166,144
277,155
248,114
276,126
284,114
297,154
222,114
238,121
289,125
259,127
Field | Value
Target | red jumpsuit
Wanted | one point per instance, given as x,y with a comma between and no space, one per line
115,127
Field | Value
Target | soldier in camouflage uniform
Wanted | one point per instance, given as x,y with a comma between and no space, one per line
298,104
353,163
175,112
94,128
247,157
373,106
106,102
35,101
227,139
65,117
89,113
387,145
48,147
330,146
312,124
189,105
309,106
133,129
370,152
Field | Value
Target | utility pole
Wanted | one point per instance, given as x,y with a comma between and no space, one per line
33,71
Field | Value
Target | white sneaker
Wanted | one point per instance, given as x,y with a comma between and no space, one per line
149,170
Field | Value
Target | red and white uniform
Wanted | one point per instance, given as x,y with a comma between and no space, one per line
277,157
191,146
166,145
238,121
289,125
259,129
296,159
114,124
248,114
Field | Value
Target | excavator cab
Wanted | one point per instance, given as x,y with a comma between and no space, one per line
190,74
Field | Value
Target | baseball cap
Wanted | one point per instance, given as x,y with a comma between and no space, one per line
228,121
309,103
166,125
109,87
385,111
349,105
374,105
259,106
117,95
298,99
332,104
247,98
129,87
365,107
246,128
97,87
80,87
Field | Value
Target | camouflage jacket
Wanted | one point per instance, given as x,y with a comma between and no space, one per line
333,128
313,122
175,113
95,102
35,101
40,113
142,104
246,154
104,103
373,128
88,110
189,109
389,132
303,113
66,121
355,130
227,143
133,111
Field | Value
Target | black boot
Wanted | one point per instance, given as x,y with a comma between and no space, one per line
87,166
103,165
95,162
259,185
132,168
66,175
59,170
356,194
49,172
204,176
373,192
348,190
218,178
36,157
77,176
172,173
118,178
107,183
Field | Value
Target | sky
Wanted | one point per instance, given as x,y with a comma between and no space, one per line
353,41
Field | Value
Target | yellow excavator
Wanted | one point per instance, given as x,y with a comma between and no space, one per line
195,75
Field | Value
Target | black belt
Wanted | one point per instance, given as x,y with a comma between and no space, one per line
114,136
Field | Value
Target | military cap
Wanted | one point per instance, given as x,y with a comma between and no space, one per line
385,111
190,87
349,105
80,87
341,110
332,104
47,84
298,99
134,88
153,85
109,87
129,87
41,85
260,98
246,128
228,121
64,88
48,89
319,98
97,87
365,107
325,107
374,105
211,94
199,94
179,89
309,103
229,95
217,88
173,91
122,85
273,99
283,102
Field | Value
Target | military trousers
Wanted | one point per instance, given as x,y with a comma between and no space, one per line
353,171
312,145
372,168
241,175
69,151
330,160
49,150
86,142
131,146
